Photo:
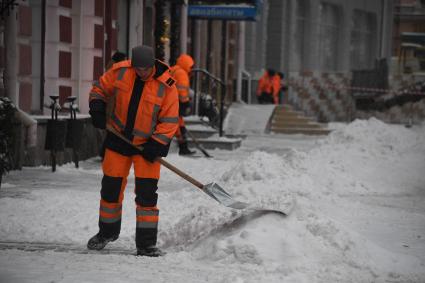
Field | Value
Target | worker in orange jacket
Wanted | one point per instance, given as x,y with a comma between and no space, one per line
276,88
180,72
265,89
138,98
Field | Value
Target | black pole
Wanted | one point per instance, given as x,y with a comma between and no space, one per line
209,43
73,128
175,32
192,35
53,137
195,95
223,72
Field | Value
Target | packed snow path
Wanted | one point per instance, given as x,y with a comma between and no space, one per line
360,214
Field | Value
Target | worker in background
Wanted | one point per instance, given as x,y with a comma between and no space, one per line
180,73
265,89
276,88
283,87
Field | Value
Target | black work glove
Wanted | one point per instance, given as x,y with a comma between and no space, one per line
98,113
153,149
98,119
184,108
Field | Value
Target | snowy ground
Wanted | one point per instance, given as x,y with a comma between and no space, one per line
359,214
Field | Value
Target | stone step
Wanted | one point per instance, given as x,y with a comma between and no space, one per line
304,131
194,120
283,124
285,109
288,121
200,131
217,143
202,134
299,119
288,114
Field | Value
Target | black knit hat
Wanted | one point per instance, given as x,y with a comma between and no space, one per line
142,56
118,57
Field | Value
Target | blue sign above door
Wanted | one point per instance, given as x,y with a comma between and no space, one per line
223,12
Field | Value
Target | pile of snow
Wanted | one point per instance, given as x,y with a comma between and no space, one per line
347,226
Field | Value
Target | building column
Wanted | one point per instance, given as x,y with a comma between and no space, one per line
2,59
241,60
10,73
313,26
386,29
183,28
287,63
344,55
197,43
136,24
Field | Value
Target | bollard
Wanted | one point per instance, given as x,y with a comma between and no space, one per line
74,131
56,130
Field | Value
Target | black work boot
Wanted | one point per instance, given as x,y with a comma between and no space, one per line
98,242
151,251
184,150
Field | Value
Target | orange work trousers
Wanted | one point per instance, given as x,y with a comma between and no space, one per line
116,168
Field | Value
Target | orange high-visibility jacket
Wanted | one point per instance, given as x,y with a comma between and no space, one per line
158,110
180,72
276,88
265,84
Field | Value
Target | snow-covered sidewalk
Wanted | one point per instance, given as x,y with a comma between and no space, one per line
359,215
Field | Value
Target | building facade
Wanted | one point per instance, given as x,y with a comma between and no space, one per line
319,35
58,47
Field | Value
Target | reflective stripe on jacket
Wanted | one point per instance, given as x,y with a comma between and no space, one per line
157,112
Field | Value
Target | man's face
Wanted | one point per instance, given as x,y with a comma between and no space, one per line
143,73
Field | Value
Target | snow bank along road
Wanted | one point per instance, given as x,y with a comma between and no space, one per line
360,215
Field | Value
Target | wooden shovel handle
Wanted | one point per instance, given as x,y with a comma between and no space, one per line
159,159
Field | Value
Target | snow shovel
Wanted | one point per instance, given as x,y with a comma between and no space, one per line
197,144
212,189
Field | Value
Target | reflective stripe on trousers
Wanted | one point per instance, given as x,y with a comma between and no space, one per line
147,217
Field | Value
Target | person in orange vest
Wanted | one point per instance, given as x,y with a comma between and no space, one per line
276,85
139,99
180,72
283,87
265,93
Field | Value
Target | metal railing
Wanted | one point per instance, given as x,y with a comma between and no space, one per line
216,89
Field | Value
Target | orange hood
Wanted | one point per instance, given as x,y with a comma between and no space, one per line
185,62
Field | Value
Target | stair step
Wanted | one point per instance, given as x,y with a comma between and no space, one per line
283,124
219,143
292,119
201,134
284,107
288,113
200,131
305,131
194,120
